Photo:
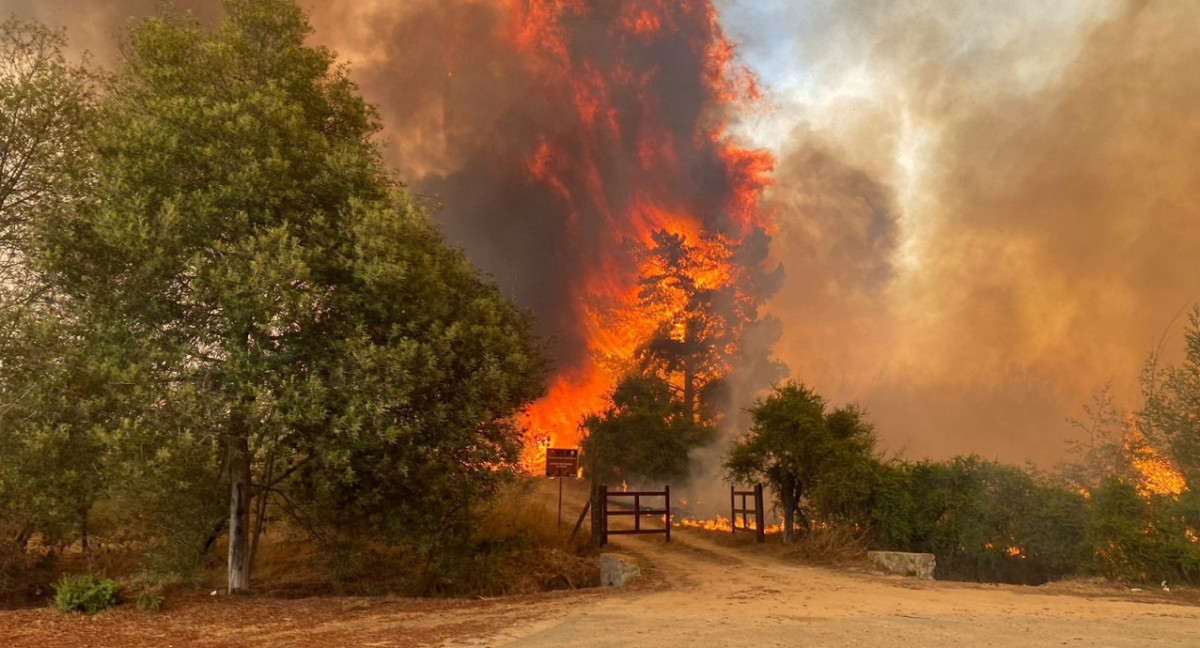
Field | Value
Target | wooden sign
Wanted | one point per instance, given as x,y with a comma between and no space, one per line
562,462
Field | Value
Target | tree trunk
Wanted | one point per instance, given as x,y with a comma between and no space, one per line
597,515
789,515
689,389
260,512
239,512
83,530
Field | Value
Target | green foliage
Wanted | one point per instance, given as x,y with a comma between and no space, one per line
892,516
53,400
60,403
85,593
149,601
1171,416
645,436
985,521
806,454
1137,538
270,295
1101,447
45,107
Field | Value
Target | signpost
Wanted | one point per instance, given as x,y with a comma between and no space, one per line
562,463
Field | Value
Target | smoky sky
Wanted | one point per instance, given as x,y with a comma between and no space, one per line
464,111
986,211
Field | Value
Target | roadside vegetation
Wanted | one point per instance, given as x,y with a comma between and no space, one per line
232,344
1119,509
221,315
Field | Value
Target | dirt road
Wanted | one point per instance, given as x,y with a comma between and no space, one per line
699,593
714,595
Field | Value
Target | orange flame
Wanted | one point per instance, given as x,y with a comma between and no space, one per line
619,114
1155,474
721,523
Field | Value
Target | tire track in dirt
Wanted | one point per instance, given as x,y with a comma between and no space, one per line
703,593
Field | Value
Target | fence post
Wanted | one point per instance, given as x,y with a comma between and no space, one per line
667,496
759,516
597,513
732,511
637,512
603,515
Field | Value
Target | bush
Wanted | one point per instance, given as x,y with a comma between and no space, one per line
150,601
646,436
85,593
983,520
1137,538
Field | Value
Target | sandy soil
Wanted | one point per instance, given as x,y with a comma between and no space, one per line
700,591
716,595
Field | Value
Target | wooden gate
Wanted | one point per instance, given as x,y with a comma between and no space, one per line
759,527
601,512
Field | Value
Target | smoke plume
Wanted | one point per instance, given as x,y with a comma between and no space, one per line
987,214
557,138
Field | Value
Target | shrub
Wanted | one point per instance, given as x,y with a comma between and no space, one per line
85,593
984,520
1137,538
645,436
148,589
150,601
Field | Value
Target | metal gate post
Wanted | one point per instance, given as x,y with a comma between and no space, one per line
732,510
759,516
667,496
603,515
597,516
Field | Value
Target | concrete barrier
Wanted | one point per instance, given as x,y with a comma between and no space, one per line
916,565
618,570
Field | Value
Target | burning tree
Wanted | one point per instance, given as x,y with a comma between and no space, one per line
1172,394
646,208
698,293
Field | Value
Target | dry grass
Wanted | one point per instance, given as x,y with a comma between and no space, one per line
27,576
528,509
831,546
519,548
526,550
828,547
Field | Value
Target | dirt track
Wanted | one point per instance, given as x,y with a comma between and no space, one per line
716,595
699,593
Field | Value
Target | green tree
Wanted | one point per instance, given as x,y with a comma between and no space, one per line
1171,416
52,402
1141,537
988,521
299,327
646,435
45,107
801,449
1103,445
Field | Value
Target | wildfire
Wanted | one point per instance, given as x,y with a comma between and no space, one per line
721,523
717,524
644,159
1155,474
